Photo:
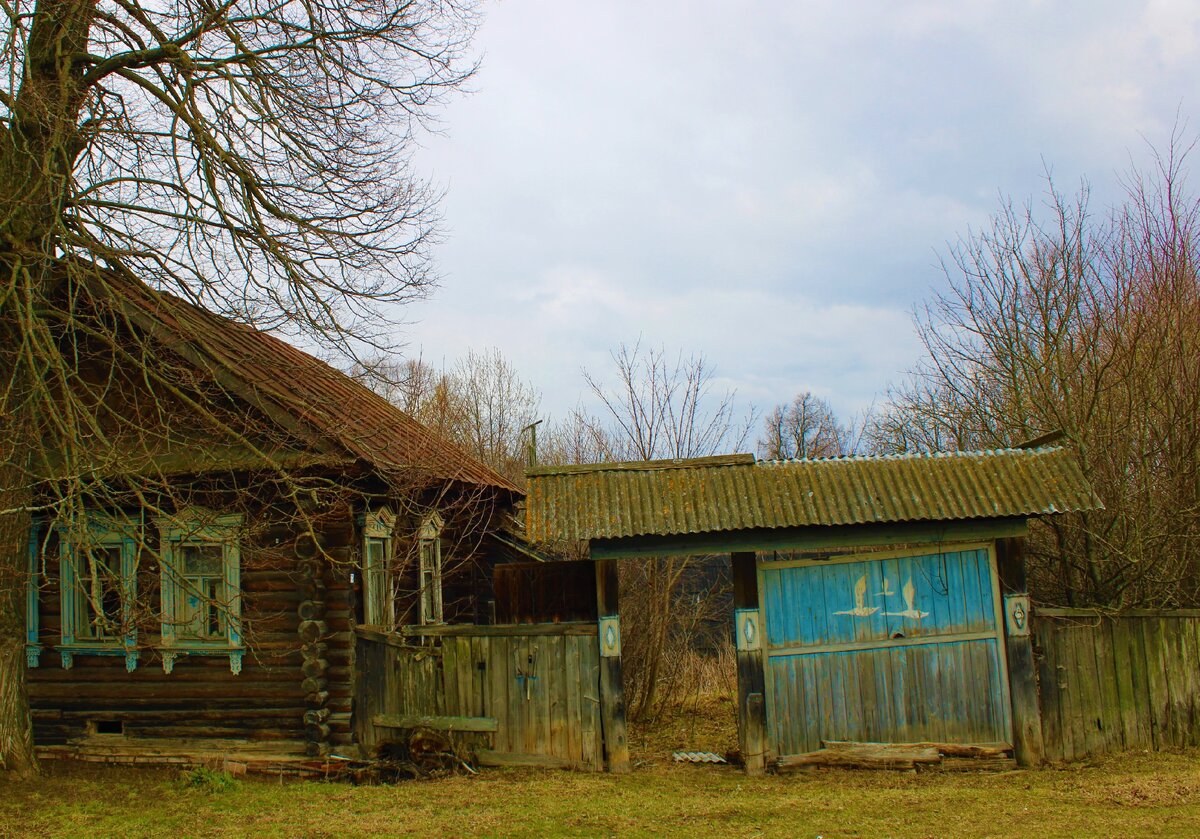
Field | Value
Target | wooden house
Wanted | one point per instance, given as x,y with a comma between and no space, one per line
248,511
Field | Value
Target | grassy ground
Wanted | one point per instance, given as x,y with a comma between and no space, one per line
1125,796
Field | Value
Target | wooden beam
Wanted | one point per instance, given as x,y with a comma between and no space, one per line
1028,740
752,712
436,723
497,630
486,757
612,691
808,538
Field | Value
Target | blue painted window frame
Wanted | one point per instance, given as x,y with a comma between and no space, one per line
103,532
33,641
200,527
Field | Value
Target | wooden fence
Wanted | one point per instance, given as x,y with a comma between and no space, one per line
519,694
1114,683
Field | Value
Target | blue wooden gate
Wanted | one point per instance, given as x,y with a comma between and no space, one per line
888,648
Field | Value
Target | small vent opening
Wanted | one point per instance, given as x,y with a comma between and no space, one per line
108,727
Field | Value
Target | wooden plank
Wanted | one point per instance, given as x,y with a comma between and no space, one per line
1024,700
612,692
864,756
591,733
573,689
450,673
436,723
558,686
1109,712
752,714
1174,664
499,630
486,757
1123,681
1125,613
497,669
807,538
1156,680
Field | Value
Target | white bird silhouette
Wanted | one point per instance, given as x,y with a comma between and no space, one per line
910,593
861,609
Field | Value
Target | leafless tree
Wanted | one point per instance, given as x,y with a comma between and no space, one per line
660,406
806,427
248,156
1059,320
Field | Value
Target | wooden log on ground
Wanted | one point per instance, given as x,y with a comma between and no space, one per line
486,757
864,756
965,750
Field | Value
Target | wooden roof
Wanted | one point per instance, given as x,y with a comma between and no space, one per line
340,416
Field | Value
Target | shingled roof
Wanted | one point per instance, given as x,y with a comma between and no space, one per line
343,417
734,492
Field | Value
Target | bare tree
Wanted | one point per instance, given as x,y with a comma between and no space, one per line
659,406
1064,321
804,428
483,403
249,156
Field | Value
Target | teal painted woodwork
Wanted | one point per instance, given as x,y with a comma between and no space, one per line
33,645
900,648
98,561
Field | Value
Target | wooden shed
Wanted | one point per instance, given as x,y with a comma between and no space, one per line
877,599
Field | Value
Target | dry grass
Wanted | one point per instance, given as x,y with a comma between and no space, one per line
1131,795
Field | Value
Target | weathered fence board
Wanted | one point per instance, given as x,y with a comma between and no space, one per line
1109,683
541,688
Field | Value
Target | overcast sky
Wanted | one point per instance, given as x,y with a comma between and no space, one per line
766,183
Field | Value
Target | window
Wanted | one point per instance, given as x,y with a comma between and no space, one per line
201,587
97,574
429,545
379,604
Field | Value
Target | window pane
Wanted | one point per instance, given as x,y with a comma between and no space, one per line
202,559
99,611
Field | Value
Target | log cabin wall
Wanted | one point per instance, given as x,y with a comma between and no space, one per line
294,689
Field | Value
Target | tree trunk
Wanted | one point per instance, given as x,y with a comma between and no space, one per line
16,724
38,147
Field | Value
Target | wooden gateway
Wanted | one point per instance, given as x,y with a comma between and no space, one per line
881,612
271,564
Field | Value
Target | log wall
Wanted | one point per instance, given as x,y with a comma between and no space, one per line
293,689
1113,683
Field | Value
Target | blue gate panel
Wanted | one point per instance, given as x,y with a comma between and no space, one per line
897,649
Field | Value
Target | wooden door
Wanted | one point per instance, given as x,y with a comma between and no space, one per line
890,648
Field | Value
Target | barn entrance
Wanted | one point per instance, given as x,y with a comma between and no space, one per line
884,648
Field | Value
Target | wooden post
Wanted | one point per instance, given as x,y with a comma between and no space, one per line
612,691
752,713
1028,742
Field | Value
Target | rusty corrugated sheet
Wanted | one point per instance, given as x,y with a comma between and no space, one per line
736,493
317,397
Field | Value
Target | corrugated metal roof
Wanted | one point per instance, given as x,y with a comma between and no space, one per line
278,378
616,500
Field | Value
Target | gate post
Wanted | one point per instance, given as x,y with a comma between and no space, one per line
752,712
612,691
1028,744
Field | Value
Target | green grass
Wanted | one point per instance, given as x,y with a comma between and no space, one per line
1126,796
